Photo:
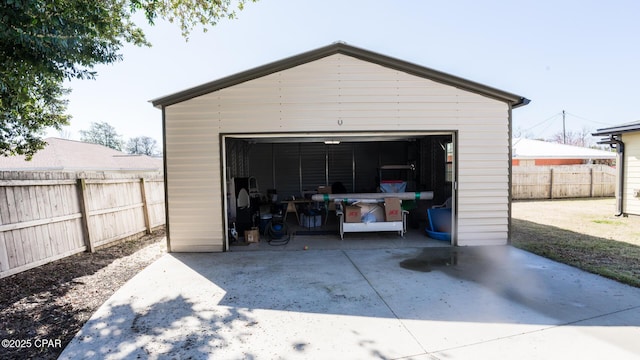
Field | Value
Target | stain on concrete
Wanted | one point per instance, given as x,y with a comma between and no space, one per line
430,258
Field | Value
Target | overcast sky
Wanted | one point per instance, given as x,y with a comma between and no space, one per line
577,56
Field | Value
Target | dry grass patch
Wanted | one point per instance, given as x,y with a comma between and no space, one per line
581,233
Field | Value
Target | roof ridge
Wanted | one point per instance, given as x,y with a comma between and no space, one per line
348,50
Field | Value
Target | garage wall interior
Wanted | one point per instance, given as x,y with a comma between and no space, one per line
262,123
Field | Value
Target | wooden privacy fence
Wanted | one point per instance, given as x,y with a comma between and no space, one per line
45,216
555,182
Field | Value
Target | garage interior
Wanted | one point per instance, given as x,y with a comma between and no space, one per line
271,178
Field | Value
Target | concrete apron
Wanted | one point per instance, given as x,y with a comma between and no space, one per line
409,303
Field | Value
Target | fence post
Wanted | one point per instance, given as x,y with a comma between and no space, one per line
550,183
83,201
145,206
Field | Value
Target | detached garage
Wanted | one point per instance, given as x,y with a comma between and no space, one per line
336,115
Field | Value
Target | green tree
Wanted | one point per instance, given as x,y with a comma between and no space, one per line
142,145
44,43
102,133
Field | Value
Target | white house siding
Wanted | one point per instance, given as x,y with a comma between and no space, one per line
335,93
632,170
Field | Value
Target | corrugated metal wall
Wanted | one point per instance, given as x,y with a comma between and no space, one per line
303,167
342,94
367,163
342,166
313,166
286,168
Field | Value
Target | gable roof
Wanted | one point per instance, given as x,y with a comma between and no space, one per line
536,149
70,155
618,129
341,48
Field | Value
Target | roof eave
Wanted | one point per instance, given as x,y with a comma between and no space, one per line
617,130
342,48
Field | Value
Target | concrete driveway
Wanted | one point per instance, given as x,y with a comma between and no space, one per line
382,303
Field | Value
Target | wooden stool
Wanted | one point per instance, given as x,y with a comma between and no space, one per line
291,207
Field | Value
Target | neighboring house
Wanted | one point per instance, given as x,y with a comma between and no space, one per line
625,139
528,152
336,114
70,155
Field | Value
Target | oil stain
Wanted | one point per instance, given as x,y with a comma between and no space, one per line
430,258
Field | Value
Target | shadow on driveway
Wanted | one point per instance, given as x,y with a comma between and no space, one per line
413,303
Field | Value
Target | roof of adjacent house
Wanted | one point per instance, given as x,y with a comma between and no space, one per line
536,149
618,129
71,155
341,48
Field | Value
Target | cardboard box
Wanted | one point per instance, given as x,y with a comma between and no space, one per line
324,189
352,214
392,209
252,236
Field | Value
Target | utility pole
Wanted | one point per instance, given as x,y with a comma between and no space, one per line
564,130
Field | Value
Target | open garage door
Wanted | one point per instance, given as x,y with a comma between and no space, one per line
275,169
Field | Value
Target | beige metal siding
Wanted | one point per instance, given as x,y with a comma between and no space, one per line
194,191
336,93
632,173
483,180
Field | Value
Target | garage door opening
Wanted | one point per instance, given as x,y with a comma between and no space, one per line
271,179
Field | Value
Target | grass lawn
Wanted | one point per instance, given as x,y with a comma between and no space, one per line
581,233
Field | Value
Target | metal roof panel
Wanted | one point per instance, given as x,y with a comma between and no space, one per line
349,50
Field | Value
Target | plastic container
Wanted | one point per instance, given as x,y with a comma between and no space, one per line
393,186
264,222
439,224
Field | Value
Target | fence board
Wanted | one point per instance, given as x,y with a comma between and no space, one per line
37,182
68,208
115,209
155,200
12,250
55,195
29,245
4,257
41,213
4,217
4,208
38,234
145,205
11,206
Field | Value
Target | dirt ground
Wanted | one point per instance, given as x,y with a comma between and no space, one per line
593,217
42,309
